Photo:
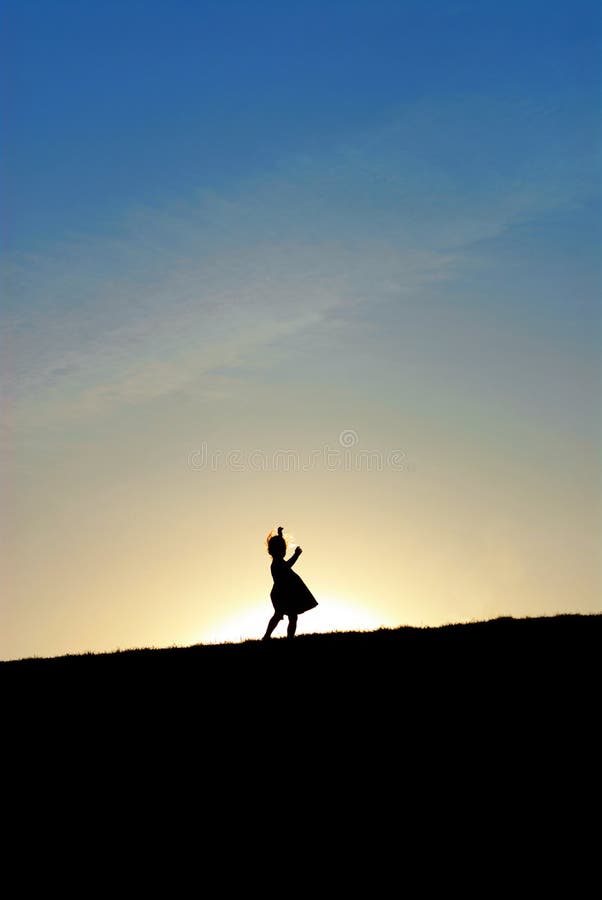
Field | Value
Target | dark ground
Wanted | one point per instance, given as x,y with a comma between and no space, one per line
459,751
489,672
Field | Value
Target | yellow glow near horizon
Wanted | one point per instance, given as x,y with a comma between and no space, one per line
157,554
331,614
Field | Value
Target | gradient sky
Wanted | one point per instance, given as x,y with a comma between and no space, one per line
231,229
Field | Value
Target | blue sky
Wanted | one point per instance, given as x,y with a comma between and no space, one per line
119,103
259,224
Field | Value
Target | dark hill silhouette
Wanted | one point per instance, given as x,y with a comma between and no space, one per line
482,731
497,644
520,663
536,637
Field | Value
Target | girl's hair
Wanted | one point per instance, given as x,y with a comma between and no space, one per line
275,543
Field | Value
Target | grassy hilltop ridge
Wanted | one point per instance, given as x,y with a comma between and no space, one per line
507,692
538,634
499,650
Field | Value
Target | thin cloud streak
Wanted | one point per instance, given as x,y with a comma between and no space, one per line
181,293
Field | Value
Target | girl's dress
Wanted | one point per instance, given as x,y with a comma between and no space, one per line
290,594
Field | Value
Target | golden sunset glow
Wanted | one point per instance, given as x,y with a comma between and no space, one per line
330,615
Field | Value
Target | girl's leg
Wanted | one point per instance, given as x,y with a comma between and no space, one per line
277,617
292,625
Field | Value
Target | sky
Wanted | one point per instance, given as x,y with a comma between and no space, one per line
327,265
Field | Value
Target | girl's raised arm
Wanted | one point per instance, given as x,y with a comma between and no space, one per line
294,557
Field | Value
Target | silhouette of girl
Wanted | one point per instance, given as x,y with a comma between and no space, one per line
290,596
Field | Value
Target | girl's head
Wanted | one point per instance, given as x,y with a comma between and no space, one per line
276,544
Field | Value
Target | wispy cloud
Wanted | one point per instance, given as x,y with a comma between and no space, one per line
175,296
